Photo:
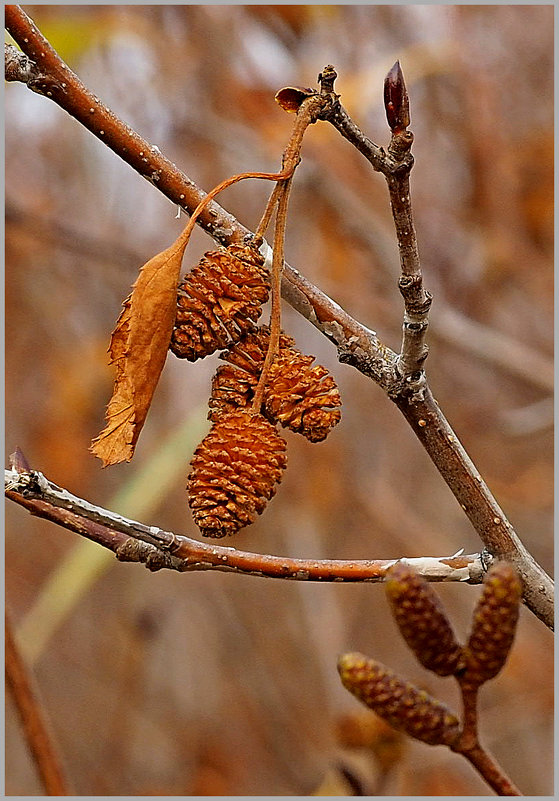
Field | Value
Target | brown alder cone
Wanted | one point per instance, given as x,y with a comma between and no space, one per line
233,384
219,301
422,620
399,702
234,473
494,624
300,397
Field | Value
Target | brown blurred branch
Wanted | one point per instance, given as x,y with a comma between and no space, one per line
37,735
132,541
356,344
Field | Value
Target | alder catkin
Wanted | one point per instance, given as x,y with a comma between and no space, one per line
400,703
422,620
235,470
493,625
219,301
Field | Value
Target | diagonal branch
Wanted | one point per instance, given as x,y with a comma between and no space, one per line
54,79
357,345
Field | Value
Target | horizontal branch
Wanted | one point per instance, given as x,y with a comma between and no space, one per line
132,541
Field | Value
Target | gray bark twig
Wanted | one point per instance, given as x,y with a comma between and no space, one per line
132,541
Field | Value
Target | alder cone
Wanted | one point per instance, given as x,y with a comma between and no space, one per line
234,384
235,470
494,624
422,620
219,301
298,396
399,702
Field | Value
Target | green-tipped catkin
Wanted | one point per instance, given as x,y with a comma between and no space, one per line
422,620
400,703
494,624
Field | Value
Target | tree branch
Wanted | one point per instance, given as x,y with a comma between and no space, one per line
359,345
35,727
356,344
132,541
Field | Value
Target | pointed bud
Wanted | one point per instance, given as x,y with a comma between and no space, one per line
494,624
400,703
396,100
422,620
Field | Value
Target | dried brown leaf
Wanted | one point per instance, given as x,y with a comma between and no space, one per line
142,335
138,350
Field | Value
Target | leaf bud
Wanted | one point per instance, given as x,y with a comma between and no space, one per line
396,100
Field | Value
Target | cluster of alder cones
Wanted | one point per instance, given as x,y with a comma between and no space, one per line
427,631
236,468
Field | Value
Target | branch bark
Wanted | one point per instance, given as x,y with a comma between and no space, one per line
357,345
132,541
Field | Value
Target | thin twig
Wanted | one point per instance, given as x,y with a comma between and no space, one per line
35,727
136,542
396,165
487,767
275,312
356,344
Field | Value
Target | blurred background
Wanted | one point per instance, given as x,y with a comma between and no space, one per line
217,684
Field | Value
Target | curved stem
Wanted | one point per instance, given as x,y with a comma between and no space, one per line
490,770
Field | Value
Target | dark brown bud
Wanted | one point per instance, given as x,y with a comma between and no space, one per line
400,703
422,620
396,100
494,624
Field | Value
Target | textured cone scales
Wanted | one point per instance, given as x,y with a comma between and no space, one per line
234,384
494,624
300,397
235,470
400,703
219,301
422,620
